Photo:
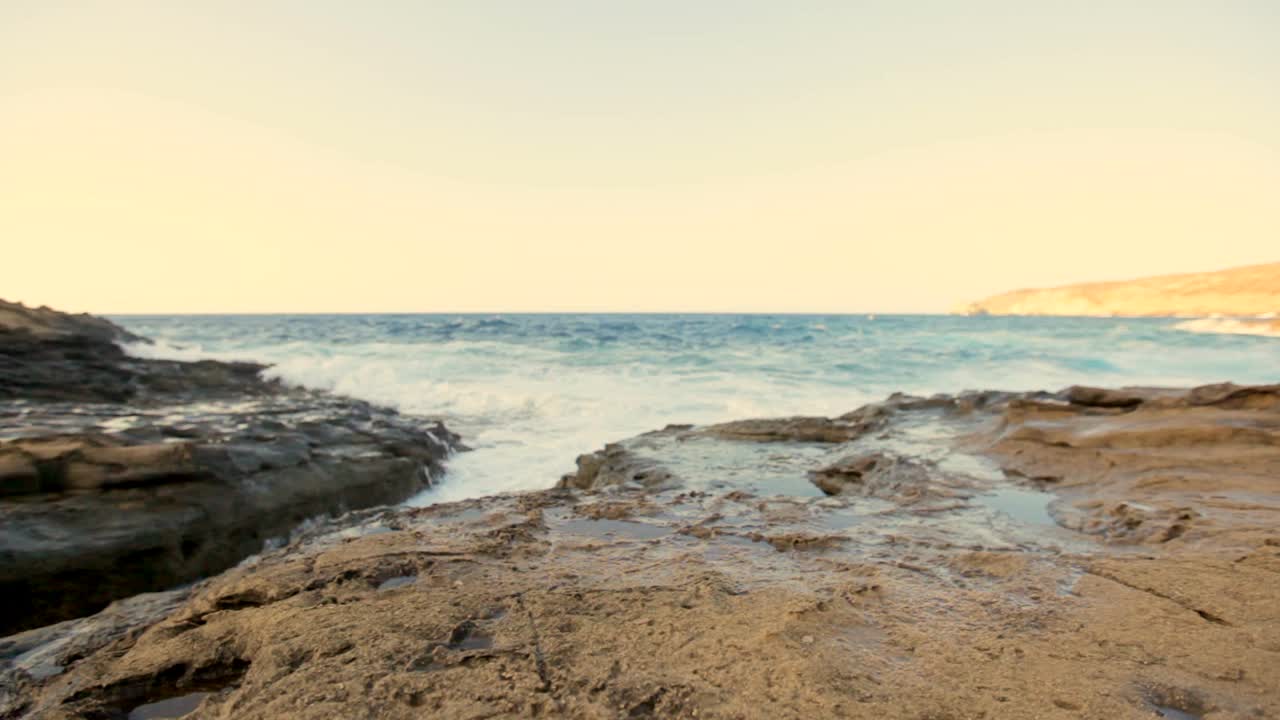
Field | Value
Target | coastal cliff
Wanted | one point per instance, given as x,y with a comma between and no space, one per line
1244,291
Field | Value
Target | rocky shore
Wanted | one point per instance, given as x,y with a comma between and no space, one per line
121,475
1091,553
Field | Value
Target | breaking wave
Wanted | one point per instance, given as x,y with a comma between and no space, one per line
531,392
1261,326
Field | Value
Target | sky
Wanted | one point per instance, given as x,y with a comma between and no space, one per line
597,155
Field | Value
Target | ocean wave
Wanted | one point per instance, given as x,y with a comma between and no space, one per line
533,394
1262,325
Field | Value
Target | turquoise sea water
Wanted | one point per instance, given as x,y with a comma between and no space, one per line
531,392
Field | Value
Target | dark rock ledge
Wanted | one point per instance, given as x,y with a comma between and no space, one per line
121,475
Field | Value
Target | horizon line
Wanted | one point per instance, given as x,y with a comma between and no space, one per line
521,312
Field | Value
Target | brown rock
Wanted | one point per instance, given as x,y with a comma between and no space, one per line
1146,468
793,429
882,475
615,465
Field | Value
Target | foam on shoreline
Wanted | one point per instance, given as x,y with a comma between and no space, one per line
1262,326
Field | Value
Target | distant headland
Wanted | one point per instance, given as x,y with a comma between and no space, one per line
1252,291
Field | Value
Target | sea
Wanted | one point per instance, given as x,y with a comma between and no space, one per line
530,392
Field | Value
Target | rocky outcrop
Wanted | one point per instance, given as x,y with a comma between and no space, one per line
47,323
120,475
739,602
882,475
1151,465
93,517
47,356
613,466
1245,291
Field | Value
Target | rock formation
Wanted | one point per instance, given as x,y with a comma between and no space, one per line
1244,291
47,323
912,585
120,475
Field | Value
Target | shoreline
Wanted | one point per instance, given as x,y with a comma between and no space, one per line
894,591
535,393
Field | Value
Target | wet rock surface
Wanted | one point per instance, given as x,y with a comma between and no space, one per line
921,589
121,475
613,466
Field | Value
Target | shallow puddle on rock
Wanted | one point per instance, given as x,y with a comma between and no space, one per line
1027,506
474,641
614,529
1174,713
467,636
396,582
171,708
714,464
465,516
841,519
731,546
361,531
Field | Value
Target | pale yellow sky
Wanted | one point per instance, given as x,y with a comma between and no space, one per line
275,156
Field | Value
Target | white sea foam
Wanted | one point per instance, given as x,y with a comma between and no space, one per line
163,350
1264,326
